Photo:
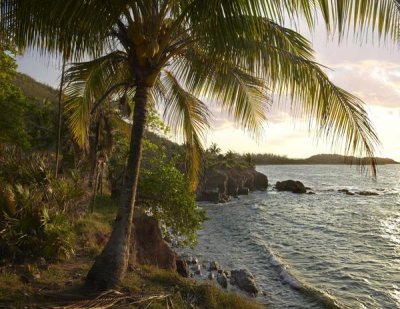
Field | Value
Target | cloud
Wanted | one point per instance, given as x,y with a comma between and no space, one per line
375,82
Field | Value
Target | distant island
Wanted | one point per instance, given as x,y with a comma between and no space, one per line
266,159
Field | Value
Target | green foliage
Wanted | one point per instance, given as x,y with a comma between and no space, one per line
213,159
162,191
12,102
34,207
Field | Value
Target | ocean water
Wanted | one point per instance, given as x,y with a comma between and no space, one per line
328,250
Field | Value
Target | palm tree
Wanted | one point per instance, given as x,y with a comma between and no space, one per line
181,51
214,149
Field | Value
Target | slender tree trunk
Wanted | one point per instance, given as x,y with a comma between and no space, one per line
110,266
59,119
93,154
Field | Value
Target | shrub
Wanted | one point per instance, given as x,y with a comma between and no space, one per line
34,207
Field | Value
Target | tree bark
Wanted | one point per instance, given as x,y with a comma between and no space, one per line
110,266
59,121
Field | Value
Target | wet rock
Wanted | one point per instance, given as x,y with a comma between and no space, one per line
346,191
311,193
367,193
260,181
210,275
244,191
227,273
222,280
214,266
182,267
291,186
244,280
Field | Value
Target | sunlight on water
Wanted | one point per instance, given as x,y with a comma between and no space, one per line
314,251
391,229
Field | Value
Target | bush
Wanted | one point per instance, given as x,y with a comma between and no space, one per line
34,207
162,191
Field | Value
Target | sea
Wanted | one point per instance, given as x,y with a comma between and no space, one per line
326,250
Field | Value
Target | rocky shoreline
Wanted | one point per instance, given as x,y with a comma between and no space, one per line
212,271
219,186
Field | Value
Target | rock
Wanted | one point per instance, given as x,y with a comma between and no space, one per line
196,268
227,273
244,191
217,186
260,181
210,275
148,245
220,271
291,186
346,191
367,193
222,280
182,267
214,266
311,193
244,280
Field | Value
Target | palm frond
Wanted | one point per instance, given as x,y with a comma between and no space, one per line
188,117
89,83
237,91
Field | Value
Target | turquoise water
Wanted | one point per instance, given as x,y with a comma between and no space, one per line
328,250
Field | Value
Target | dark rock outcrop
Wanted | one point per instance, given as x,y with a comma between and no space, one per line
244,280
148,246
346,191
222,280
217,186
291,186
367,193
182,267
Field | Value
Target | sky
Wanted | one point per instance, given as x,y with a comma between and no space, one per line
369,71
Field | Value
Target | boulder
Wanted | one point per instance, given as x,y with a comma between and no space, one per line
210,275
148,246
214,266
367,193
244,280
222,280
291,186
182,267
346,191
260,181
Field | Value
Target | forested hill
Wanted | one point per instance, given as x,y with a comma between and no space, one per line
317,159
34,89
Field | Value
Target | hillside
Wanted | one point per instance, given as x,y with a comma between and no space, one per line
266,159
34,89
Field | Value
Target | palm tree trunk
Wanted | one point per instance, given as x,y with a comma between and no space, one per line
110,266
59,121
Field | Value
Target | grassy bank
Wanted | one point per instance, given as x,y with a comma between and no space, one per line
46,285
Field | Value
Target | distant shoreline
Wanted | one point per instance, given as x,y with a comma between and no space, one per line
322,159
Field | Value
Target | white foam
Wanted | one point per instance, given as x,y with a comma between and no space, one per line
286,278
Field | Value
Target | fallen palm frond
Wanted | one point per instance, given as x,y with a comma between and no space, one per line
116,299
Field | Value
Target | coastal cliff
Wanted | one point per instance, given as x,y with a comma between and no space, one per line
220,184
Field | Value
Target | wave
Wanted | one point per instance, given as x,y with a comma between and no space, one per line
320,296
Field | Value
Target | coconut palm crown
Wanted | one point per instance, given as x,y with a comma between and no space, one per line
182,53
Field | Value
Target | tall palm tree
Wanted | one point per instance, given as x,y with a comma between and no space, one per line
235,52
